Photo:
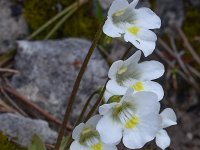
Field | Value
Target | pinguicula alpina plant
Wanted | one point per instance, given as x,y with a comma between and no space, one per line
133,118
132,24
131,110
130,113
86,137
131,74
168,119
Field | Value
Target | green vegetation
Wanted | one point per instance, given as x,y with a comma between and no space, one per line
5,144
81,24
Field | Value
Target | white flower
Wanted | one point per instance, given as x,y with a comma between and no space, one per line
87,138
134,117
131,74
168,119
124,20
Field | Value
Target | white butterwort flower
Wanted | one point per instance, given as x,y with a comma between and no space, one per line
134,117
124,20
87,138
168,119
131,74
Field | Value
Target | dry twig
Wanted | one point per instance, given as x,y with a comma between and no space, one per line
30,104
188,45
8,70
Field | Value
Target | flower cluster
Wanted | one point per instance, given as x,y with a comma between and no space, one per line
131,112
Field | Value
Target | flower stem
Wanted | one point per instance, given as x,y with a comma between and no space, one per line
69,140
85,108
76,86
96,105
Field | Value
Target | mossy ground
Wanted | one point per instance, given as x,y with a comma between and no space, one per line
7,145
81,24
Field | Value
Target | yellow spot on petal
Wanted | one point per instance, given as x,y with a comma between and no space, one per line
132,122
97,146
138,86
119,13
122,70
134,30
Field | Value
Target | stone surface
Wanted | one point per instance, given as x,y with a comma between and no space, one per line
12,25
48,70
21,129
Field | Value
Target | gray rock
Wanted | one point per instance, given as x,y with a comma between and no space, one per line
12,25
21,129
48,71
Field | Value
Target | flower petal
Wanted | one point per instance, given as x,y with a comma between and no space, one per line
110,131
162,139
105,108
150,70
146,102
133,59
148,86
114,68
144,132
146,46
154,87
134,139
111,30
76,132
133,3
76,146
94,120
114,88
147,18
146,35
117,5
168,117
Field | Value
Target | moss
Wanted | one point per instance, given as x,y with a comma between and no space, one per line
38,12
81,24
152,4
7,145
191,27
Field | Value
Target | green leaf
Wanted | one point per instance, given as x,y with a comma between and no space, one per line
99,11
36,143
114,98
64,143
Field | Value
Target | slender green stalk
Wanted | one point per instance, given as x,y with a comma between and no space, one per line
76,86
85,108
51,21
60,23
98,102
69,140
